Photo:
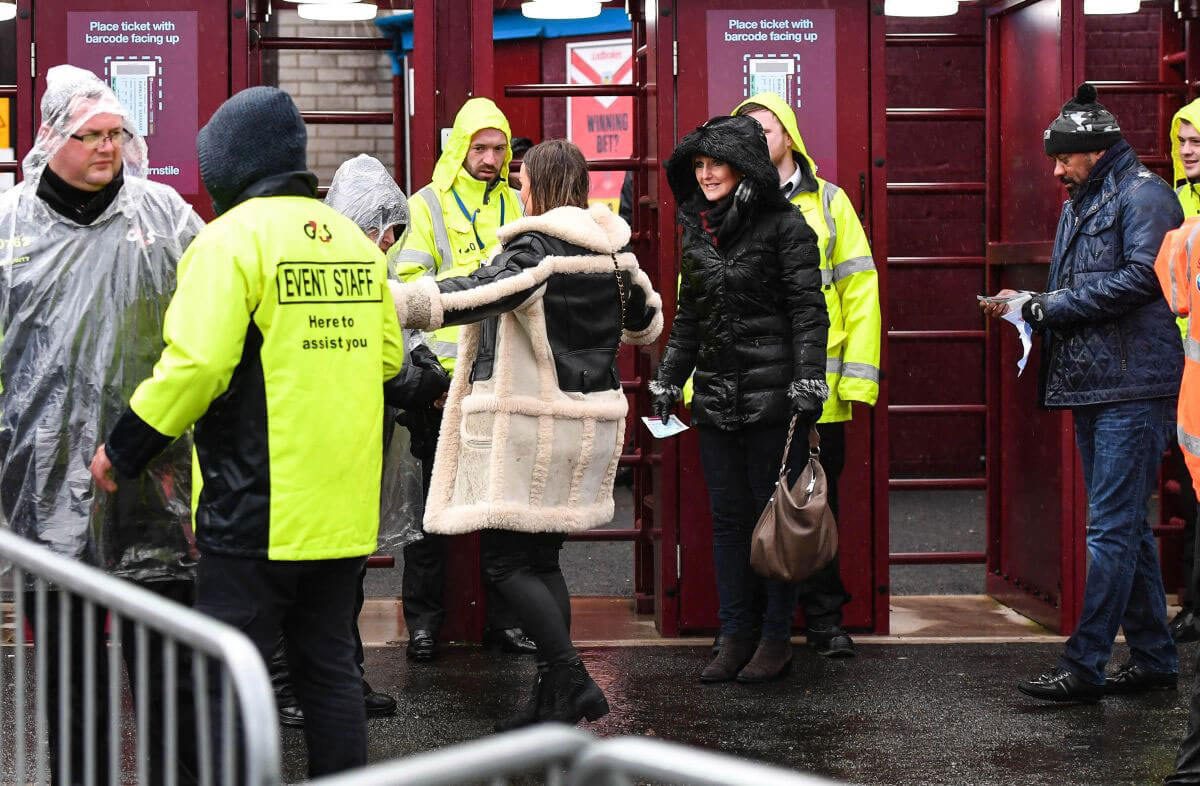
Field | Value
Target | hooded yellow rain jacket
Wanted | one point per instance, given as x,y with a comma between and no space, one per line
1188,192
848,277
455,218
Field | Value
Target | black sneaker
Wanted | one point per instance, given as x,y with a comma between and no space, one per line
1061,684
1185,627
831,643
1134,679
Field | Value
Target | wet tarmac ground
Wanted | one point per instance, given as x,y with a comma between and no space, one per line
896,714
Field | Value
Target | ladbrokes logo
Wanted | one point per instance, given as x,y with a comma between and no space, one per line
327,282
315,232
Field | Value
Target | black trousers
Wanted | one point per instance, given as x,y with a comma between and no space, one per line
1187,761
823,595
423,582
50,642
523,567
281,675
312,604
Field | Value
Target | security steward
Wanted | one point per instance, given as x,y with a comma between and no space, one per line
453,230
851,287
279,339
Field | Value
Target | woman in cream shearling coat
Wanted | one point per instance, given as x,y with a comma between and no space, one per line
535,419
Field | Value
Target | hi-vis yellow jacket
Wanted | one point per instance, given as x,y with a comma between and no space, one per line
1188,192
455,218
279,337
848,277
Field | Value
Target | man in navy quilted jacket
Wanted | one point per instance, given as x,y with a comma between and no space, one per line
1111,354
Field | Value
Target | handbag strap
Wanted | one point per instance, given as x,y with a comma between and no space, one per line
814,443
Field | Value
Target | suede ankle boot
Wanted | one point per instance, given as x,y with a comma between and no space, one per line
528,715
570,695
734,654
771,660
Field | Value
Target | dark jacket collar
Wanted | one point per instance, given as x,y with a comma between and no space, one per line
1115,161
303,184
82,207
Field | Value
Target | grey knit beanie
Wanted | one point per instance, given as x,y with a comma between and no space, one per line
255,134
1083,126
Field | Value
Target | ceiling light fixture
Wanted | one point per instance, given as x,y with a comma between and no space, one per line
561,9
337,12
1112,6
920,7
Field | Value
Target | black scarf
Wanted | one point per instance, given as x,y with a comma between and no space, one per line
82,207
1103,166
713,217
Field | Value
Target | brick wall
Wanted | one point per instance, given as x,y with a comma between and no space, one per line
333,82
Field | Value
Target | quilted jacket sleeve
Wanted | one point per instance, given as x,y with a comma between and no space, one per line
800,274
1146,213
679,359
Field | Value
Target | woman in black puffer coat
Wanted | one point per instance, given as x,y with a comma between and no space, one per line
751,323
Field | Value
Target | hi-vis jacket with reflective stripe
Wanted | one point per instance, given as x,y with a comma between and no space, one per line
848,277
455,217
279,338
1178,266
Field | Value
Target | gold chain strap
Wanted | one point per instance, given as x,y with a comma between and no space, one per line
620,288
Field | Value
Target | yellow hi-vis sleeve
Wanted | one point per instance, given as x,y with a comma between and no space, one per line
205,330
857,285
417,255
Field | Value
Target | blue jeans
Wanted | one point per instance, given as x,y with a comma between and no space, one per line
740,468
1121,446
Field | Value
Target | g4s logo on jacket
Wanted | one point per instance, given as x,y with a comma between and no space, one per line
314,233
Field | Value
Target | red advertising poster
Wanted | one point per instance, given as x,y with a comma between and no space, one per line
790,53
150,60
602,127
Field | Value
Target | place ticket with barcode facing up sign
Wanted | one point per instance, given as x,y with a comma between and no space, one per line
660,430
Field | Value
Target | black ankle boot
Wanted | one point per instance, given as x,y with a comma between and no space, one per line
528,715
571,695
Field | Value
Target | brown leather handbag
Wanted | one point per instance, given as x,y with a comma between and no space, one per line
796,534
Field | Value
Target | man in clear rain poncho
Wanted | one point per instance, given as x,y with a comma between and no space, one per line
88,249
363,191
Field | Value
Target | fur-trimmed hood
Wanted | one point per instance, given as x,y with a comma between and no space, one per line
739,141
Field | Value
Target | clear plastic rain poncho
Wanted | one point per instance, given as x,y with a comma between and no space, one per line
363,191
81,309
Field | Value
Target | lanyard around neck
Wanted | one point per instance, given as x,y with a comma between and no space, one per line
472,216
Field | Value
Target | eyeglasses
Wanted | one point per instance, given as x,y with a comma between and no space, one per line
94,139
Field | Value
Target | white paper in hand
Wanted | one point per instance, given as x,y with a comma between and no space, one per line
660,430
1026,333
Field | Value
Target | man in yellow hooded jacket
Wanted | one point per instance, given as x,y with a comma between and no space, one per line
851,286
1185,160
452,232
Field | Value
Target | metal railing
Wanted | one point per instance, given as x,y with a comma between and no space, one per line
226,675
564,756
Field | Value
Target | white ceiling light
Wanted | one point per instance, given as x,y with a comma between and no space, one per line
337,12
7,11
561,9
1112,6
920,7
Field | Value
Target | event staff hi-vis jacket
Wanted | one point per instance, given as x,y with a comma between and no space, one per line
1187,191
848,277
455,217
278,340
1178,268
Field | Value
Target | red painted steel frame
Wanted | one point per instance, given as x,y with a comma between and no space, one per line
861,115
1035,499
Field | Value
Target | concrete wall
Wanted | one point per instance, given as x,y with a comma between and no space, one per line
333,82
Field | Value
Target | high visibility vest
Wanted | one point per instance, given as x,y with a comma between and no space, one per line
443,241
1178,268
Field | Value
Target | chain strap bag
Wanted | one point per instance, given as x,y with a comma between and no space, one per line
796,534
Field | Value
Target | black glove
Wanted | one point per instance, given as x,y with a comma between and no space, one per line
808,399
1034,310
663,398
434,381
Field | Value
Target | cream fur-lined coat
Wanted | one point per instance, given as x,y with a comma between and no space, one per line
516,452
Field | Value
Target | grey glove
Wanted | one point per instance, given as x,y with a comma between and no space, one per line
808,399
663,398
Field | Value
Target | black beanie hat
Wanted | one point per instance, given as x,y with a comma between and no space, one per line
255,134
1083,125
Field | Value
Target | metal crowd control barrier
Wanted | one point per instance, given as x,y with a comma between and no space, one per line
565,756
217,652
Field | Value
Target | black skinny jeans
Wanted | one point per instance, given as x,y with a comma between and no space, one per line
523,567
